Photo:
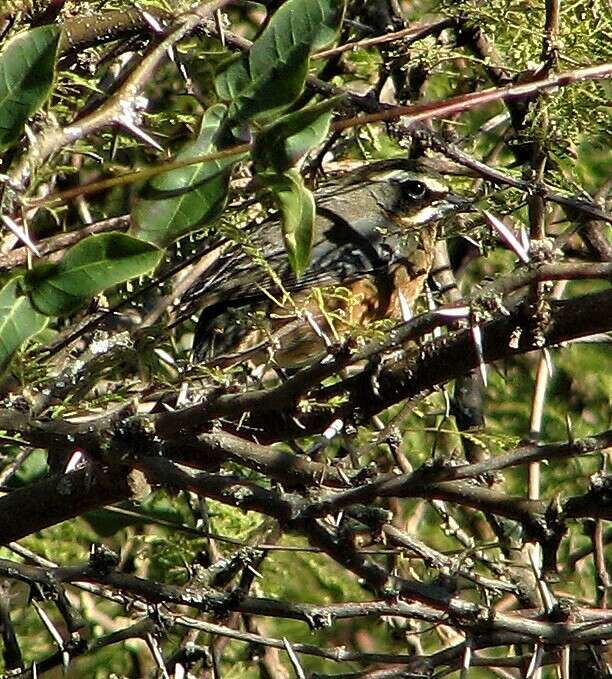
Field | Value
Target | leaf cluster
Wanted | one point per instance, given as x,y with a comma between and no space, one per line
192,196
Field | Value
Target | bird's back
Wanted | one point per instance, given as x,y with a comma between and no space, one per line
358,241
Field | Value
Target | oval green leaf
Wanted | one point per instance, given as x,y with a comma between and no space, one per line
27,72
18,320
314,23
297,208
91,266
232,77
281,144
273,90
179,201
272,75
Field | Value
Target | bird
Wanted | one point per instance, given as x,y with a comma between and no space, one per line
373,246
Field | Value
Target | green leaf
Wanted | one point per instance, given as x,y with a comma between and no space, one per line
106,522
32,469
282,143
297,208
27,71
297,22
272,75
93,265
273,91
232,77
18,320
179,201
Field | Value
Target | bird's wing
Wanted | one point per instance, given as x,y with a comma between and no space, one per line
353,238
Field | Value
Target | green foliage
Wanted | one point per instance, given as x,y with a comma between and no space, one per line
268,78
518,34
66,542
233,522
279,146
166,554
27,72
558,122
297,208
271,76
321,581
91,266
32,469
177,202
18,320
282,143
254,97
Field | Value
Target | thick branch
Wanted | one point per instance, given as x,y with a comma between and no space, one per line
439,363
61,497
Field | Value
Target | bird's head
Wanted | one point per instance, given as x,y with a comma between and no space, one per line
398,191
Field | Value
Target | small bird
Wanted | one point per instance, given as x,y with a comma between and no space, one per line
373,244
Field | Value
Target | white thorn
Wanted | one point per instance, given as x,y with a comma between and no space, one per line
548,361
375,385
564,665
48,623
183,72
153,645
152,21
569,427
181,399
447,403
297,666
477,338
494,122
29,134
432,306
431,302
219,24
124,121
77,460
164,356
333,430
534,559
318,331
297,422
536,661
455,312
22,234
467,659
524,238
475,243
255,572
405,309
343,476
507,236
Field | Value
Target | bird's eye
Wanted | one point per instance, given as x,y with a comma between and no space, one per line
415,189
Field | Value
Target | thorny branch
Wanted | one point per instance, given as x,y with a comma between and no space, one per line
222,445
